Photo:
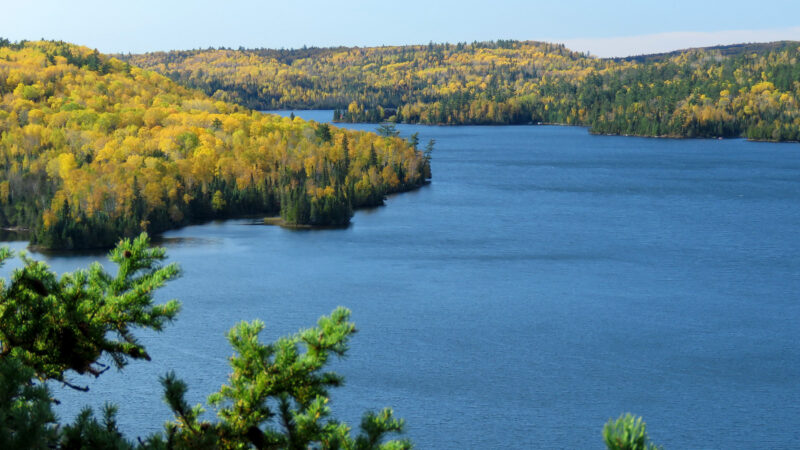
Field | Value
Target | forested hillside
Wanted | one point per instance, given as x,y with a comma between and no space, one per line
749,90
92,148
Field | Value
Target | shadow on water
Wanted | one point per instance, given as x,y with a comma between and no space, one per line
11,235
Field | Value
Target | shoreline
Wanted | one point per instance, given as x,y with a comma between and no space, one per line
279,222
588,127
259,219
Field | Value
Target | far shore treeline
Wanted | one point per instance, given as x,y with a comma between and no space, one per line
748,91
93,149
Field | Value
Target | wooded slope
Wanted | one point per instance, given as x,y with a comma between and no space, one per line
746,90
92,148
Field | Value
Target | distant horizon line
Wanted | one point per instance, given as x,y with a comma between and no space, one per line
333,47
603,48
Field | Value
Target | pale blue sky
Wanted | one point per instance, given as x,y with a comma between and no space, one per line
147,25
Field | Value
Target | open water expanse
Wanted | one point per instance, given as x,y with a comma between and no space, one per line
546,281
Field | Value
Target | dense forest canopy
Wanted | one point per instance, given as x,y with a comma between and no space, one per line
745,90
93,148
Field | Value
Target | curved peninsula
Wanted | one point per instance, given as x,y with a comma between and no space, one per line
93,149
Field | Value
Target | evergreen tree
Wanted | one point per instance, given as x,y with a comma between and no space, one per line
53,328
413,140
56,326
323,132
627,433
387,130
277,396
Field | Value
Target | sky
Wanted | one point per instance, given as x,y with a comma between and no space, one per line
601,27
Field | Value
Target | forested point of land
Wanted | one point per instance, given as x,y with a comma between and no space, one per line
748,90
93,149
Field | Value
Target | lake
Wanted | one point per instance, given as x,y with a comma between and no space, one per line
546,281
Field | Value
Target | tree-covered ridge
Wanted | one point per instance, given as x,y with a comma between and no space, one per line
724,50
92,148
751,91
334,77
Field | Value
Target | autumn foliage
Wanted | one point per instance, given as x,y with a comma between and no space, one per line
748,90
92,149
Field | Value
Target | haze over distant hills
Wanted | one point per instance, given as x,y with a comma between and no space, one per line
667,42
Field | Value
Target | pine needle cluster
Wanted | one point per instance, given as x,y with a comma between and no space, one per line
61,328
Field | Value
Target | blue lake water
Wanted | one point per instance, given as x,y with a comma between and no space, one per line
546,281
